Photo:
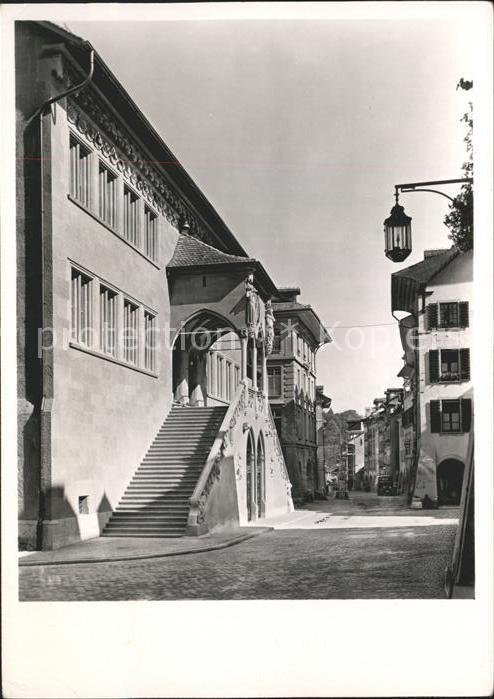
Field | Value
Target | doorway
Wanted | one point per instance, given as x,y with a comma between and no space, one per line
450,481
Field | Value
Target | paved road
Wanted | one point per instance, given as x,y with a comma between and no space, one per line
381,562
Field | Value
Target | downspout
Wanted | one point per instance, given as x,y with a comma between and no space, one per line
38,114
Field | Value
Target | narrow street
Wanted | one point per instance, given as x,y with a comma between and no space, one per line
367,547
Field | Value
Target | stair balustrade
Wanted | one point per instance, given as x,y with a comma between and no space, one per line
249,408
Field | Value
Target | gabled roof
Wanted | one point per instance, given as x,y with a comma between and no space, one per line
192,254
128,112
408,282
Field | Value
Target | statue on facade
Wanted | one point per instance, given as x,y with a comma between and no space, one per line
269,322
252,309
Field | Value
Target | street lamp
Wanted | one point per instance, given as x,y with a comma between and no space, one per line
398,228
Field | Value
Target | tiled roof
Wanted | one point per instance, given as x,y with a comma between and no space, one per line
191,252
406,284
424,270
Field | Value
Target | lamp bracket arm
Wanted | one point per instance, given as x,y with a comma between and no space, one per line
423,189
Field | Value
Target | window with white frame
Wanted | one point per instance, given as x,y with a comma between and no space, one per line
131,332
80,172
108,314
150,233
131,216
107,185
149,341
81,307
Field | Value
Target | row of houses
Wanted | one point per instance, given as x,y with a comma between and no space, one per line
166,384
421,434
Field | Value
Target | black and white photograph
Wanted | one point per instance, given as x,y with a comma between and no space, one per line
246,332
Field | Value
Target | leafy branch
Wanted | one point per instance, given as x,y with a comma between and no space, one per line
459,220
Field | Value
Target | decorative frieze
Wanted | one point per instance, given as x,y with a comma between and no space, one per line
100,128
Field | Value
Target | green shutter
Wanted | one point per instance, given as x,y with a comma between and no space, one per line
434,366
465,364
466,414
463,314
435,416
432,316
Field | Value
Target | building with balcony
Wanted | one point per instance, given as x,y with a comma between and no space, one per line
143,325
436,293
291,366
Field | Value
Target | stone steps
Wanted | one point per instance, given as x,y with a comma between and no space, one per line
156,501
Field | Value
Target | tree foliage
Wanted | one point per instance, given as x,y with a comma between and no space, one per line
459,220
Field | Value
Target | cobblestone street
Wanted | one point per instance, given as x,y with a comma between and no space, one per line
367,557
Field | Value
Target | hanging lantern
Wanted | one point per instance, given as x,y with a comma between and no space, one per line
398,234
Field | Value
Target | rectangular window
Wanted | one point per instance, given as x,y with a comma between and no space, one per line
107,196
80,172
81,308
130,217
221,380
131,332
448,315
299,345
149,341
108,321
277,341
449,365
450,416
274,381
237,376
228,380
151,235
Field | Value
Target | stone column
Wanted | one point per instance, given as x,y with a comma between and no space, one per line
243,348
182,389
254,364
264,364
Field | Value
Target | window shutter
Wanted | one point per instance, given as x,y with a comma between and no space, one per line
466,414
465,364
435,416
434,366
432,316
463,312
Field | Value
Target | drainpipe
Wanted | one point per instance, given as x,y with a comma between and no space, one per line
38,114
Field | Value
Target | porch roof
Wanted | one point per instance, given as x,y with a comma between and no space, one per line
193,254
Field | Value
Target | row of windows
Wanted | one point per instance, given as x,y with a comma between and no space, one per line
132,219
223,376
449,365
105,320
451,415
447,315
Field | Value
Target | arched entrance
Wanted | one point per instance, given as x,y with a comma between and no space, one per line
250,480
450,481
206,361
260,477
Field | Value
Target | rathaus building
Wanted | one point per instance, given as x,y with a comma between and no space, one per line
144,327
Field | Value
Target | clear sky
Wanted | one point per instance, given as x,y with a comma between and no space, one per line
297,131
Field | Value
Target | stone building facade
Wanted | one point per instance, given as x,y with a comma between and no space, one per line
135,301
437,295
298,334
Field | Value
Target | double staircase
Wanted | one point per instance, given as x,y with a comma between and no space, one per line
156,502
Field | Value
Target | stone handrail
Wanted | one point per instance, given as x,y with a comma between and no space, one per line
211,470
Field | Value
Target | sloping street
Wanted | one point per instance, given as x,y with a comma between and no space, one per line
367,547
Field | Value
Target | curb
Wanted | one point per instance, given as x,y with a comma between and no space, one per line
23,563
